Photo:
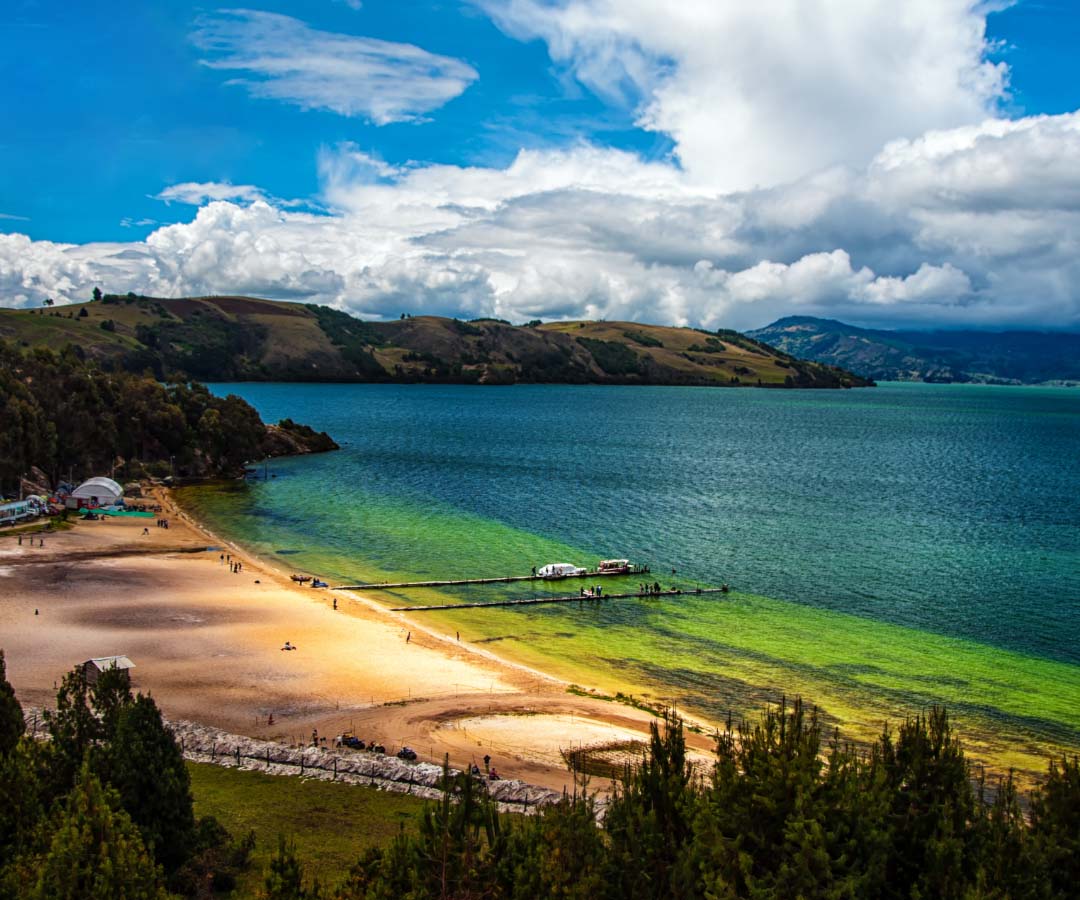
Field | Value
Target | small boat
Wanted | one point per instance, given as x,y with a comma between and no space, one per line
301,579
614,566
560,570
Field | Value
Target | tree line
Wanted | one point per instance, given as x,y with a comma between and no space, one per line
103,809
66,415
786,811
780,816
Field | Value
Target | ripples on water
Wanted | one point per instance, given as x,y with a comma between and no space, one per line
950,510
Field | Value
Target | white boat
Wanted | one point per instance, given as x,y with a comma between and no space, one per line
560,570
613,566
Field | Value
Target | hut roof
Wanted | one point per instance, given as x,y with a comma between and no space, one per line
101,663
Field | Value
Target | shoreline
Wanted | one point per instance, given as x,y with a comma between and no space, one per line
373,605
988,744
207,645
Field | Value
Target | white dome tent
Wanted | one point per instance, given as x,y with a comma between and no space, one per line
98,492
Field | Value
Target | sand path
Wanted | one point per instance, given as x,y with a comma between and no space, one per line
207,645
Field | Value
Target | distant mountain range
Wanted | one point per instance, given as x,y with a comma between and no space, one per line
248,339
1008,357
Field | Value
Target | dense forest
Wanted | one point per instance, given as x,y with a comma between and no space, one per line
74,417
104,810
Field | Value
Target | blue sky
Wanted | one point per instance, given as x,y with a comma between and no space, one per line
717,165
114,105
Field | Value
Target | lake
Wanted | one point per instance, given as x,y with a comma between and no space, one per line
887,548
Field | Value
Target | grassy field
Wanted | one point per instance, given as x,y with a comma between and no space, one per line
331,824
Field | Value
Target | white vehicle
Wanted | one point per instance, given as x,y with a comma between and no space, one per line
560,570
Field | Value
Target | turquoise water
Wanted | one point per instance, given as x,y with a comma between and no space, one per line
887,548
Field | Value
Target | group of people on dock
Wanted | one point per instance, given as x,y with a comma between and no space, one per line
653,588
593,593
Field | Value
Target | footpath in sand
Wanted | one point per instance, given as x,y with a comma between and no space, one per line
207,643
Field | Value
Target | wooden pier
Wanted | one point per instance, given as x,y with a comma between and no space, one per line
534,601
507,579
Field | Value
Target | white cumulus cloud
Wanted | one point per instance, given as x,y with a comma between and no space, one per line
831,158
912,237
759,93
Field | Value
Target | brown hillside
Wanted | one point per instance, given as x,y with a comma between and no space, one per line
246,338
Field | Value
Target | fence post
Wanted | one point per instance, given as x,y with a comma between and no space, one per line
301,762
213,751
335,768
238,756
268,757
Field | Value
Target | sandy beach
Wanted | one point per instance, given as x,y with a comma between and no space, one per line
207,643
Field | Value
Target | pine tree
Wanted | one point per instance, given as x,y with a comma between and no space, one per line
109,695
144,764
285,880
1006,866
12,724
649,819
558,853
933,802
96,852
389,873
73,728
1055,826
459,836
22,810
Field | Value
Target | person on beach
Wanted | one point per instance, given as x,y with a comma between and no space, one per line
487,761
335,603
408,637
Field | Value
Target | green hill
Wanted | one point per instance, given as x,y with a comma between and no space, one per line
247,339
1013,357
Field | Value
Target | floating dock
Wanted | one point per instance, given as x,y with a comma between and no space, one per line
534,601
507,579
